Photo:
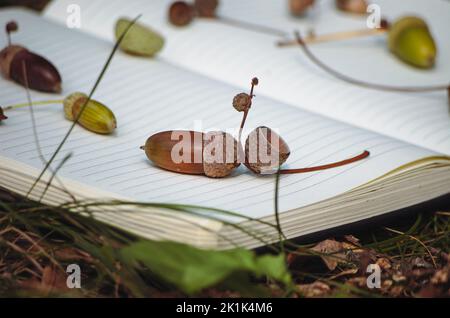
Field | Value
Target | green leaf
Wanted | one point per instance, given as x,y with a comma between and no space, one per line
140,40
192,269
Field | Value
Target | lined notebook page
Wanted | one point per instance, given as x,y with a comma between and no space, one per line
234,55
150,95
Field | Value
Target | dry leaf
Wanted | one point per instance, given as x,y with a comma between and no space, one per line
53,280
383,263
353,240
316,289
441,276
335,251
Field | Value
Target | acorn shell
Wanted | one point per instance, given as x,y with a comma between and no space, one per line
411,41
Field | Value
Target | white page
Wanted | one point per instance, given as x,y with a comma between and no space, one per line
234,55
150,95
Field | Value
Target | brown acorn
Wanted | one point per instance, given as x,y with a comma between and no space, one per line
181,13
352,6
41,74
2,115
206,8
299,7
191,152
263,141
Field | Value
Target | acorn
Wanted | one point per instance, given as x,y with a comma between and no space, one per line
214,154
96,117
410,40
2,115
299,7
352,6
140,40
265,151
206,8
181,13
41,74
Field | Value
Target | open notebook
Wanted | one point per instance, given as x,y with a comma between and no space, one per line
195,78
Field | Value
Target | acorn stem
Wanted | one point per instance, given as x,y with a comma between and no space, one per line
351,80
46,102
362,156
244,118
338,36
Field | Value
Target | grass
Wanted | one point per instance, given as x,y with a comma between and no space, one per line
38,242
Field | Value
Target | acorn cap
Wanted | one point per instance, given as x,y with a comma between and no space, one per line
228,161
6,57
242,102
410,40
252,152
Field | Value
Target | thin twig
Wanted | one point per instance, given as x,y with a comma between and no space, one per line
253,27
338,36
357,82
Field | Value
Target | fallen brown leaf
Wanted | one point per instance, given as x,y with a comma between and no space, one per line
316,289
335,253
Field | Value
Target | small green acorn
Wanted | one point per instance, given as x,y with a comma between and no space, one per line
410,40
140,40
96,117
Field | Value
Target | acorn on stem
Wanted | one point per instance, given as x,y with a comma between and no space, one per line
216,154
95,117
41,74
411,41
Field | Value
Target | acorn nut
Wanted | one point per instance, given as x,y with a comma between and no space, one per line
411,41
96,117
